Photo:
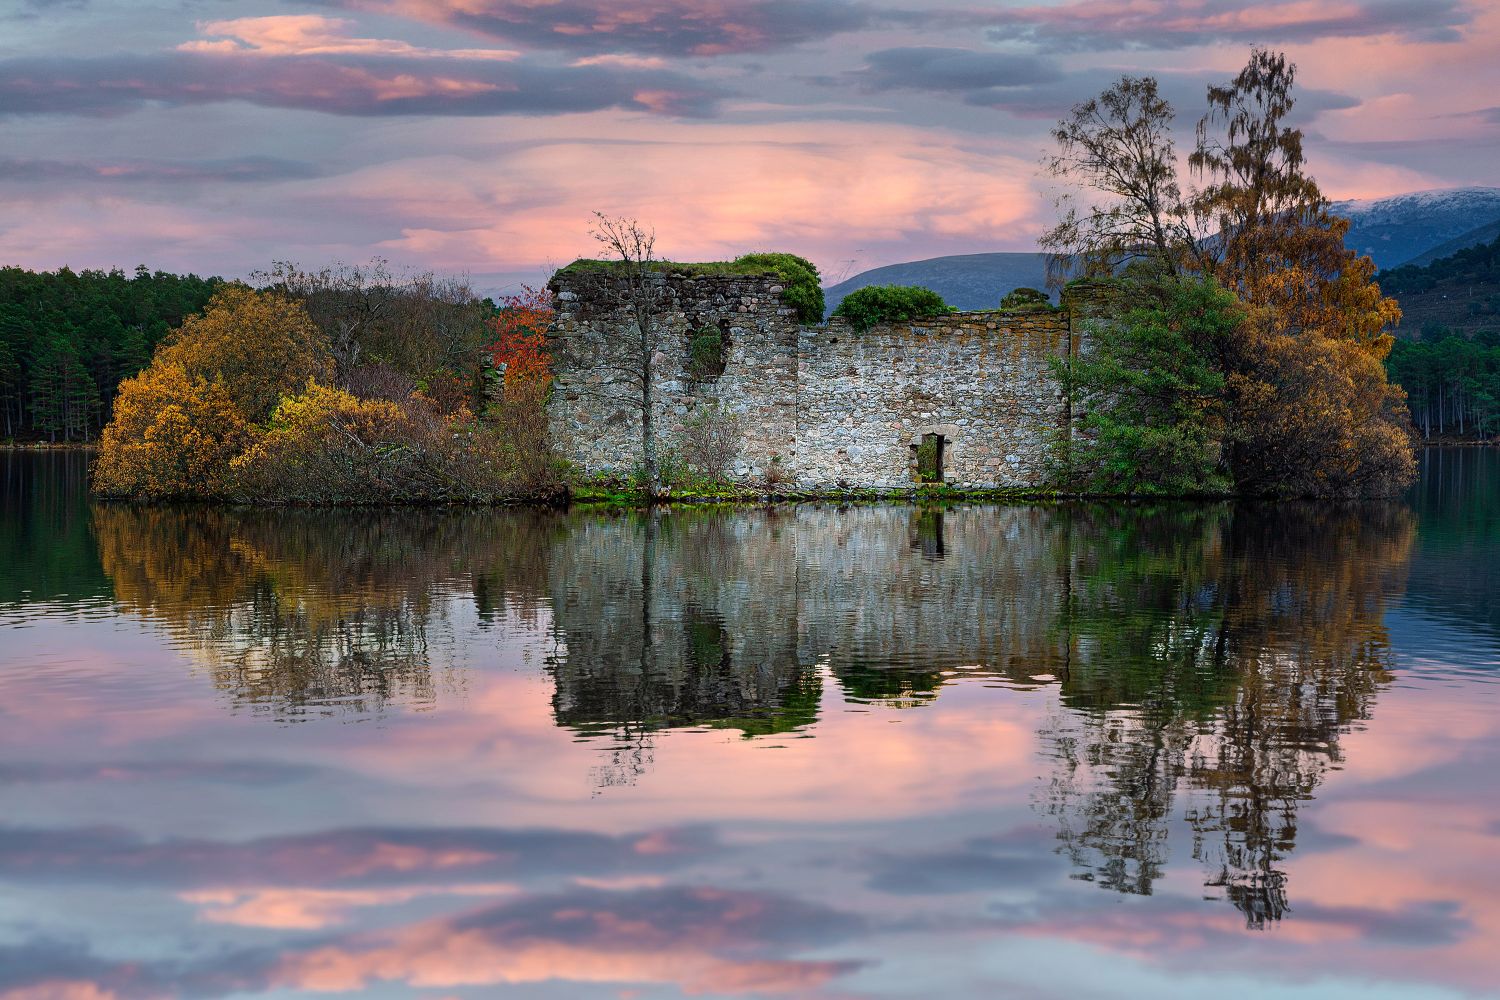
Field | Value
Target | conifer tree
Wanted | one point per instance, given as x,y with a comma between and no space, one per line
10,385
48,378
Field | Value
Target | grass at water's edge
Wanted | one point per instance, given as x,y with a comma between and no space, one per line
597,497
623,494
594,497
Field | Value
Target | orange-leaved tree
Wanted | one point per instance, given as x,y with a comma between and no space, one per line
1312,410
520,353
520,346
178,424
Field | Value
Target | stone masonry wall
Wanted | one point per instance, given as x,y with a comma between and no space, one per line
596,413
824,407
981,380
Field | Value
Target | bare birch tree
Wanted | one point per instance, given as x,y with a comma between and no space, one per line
1118,146
632,287
387,329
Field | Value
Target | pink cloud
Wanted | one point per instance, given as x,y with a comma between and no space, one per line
341,82
711,191
1161,24
60,989
314,909
314,35
621,59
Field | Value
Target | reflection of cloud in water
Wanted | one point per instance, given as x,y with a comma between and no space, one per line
340,858
700,939
696,938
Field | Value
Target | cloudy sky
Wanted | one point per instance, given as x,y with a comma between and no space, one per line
478,135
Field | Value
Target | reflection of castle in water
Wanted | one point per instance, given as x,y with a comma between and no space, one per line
690,617
1206,658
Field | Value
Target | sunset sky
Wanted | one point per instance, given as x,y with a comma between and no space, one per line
478,135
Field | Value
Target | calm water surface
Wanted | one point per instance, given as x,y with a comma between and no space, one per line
988,752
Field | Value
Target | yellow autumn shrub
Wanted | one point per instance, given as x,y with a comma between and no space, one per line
172,436
237,405
260,345
177,424
326,445
1317,417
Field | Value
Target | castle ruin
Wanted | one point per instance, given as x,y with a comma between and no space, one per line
966,399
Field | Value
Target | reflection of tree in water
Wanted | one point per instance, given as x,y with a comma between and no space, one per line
869,682
46,553
1221,654
315,611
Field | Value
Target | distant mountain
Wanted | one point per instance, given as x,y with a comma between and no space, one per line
1417,227
1473,238
968,281
1397,230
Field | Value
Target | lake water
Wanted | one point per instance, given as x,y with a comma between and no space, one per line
1072,751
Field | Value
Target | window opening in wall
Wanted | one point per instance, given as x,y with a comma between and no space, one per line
707,354
930,458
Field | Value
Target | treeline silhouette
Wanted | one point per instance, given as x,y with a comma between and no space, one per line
67,340
1473,264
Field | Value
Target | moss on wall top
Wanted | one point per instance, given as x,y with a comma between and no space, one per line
801,286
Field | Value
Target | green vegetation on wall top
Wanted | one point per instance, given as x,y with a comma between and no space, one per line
1026,299
802,287
865,307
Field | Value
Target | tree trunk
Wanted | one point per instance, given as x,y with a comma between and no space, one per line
650,467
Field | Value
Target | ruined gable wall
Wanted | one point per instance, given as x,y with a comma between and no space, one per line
596,424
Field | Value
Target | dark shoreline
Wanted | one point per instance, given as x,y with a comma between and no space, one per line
49,446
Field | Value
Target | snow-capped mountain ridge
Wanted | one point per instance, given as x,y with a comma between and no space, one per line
1402,227
1392,230
1438,198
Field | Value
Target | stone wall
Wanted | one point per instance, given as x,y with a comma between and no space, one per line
819,407
980,380
596,408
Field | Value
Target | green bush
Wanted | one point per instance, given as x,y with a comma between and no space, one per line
929,462
1151,395
1025,298
874,304
801,285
